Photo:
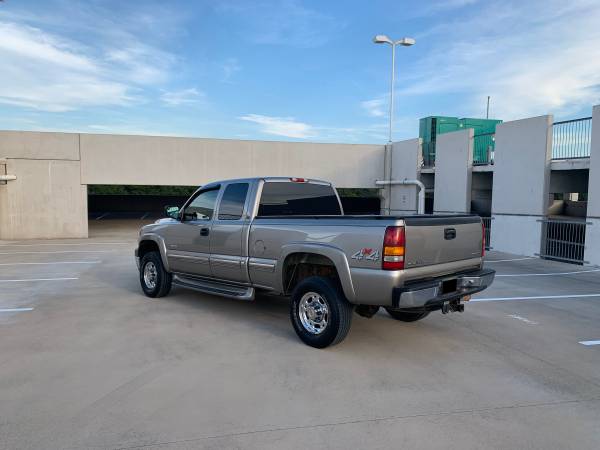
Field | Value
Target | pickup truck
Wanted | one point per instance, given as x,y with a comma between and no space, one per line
290,237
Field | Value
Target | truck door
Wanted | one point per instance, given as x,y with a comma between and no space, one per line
188,241
228,252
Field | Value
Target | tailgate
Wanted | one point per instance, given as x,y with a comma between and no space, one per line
441,239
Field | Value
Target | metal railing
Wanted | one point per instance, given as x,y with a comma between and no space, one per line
487,227
483,148
563,240
572,138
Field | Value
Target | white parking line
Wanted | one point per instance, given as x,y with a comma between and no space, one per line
507,260
61,251
37,279
103,215
589,342
68,243
49,263
546,274
540,297
10,310
522,319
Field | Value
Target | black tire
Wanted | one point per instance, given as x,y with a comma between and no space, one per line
163,280
339,315
407,316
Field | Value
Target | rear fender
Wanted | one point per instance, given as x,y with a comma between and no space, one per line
333,253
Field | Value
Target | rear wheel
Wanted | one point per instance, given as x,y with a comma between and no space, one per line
407,316
155,280
319,312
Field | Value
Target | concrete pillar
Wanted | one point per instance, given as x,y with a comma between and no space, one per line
453,172
521,184
402,161
592,233
47,199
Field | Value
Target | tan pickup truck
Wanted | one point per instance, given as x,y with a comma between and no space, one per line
289,236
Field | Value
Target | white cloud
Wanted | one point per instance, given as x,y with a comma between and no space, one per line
281,126
42,71
532,58
181,97
92,59
374,107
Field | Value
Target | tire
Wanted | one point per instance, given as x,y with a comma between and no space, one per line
320,295
407,316
159,284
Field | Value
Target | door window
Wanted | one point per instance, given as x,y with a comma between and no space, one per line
232,202
202,207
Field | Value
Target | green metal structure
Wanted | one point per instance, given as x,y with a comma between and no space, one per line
483,141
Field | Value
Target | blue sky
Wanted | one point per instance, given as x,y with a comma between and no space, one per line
290,70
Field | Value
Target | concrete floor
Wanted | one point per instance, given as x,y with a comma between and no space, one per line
95,364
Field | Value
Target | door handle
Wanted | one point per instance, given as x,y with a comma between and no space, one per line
204,231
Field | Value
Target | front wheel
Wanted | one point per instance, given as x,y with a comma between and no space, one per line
407,316
319,312
155,280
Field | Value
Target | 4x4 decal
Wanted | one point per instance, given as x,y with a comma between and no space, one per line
367,254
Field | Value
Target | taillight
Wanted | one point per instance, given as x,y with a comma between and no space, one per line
298,180
482,240
393,248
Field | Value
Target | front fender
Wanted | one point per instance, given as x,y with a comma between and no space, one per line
162,246
333,253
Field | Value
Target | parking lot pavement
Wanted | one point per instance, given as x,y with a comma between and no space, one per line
86,361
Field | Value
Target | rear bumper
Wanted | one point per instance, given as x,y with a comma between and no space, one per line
431,294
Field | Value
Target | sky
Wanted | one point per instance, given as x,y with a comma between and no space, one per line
291,70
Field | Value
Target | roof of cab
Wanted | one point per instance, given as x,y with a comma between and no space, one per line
267,179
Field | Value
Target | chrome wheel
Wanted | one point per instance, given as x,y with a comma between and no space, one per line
313,312
150,275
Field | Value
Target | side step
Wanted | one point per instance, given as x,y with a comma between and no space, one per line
215,288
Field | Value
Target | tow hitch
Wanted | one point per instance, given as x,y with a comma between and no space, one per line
453,306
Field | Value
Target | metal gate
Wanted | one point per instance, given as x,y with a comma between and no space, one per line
487,227
564,240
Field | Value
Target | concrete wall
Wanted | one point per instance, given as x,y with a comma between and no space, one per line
403,160
143,160
453,172
521,184
592,237
47,200
49,197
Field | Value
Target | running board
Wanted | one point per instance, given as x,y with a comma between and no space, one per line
215,288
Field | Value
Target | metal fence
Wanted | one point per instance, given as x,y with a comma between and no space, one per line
483,148
572,138
487,226
563,240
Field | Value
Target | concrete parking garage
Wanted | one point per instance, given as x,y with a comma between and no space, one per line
87,361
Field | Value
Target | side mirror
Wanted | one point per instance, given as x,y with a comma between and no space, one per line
172,212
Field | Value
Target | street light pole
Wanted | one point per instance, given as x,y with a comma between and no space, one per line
405,42
392,90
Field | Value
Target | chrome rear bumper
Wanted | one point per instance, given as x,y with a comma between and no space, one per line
432,294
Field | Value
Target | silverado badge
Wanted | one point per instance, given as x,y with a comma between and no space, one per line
366,253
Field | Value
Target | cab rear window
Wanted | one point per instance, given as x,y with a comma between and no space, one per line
298,199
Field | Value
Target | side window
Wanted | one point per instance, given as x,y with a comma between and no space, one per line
202,207
232,202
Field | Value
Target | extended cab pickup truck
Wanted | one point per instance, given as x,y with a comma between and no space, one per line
290,237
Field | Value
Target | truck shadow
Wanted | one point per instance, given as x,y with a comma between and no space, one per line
267,313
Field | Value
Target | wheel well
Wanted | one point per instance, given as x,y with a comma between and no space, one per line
147,246
298,266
